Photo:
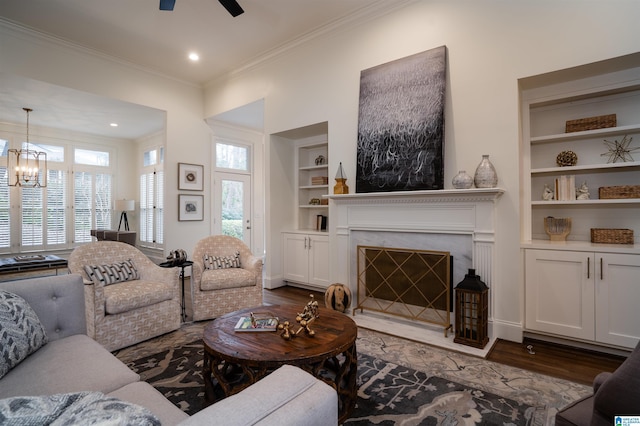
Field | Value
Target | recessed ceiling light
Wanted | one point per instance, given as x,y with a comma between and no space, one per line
193,56
113,124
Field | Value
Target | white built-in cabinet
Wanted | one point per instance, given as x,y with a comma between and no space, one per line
577,289
584,295
300,179
306,258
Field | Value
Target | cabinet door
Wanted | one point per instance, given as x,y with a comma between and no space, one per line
559,293
319,260
296,257
617,298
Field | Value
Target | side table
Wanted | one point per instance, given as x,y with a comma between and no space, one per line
183,311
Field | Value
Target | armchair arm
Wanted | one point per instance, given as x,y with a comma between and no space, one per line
196,275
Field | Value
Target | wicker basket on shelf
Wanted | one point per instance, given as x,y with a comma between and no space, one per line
611,236
618,192
591,123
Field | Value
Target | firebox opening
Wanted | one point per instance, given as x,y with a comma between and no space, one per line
415,284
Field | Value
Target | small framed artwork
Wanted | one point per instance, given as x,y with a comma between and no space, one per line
190,177
190,207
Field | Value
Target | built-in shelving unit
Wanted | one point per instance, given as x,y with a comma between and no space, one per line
576,289
545,111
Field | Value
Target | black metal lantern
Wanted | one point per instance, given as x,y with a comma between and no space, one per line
472,311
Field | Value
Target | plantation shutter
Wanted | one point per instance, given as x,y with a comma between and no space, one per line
159,210
82,201
146,207
103,201
32,226
5,205
56,228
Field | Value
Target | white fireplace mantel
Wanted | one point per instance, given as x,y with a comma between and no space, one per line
450,211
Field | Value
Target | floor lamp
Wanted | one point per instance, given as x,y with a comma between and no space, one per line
124,206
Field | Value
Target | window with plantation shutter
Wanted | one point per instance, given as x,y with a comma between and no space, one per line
152,198
55,223
92,200
62,213
146,207
5,212
32,221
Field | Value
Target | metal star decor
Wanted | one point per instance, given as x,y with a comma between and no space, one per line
619,150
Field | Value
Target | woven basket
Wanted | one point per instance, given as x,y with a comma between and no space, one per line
615,192
612,236
591,123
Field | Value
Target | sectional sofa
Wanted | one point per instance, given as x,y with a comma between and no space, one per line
71,363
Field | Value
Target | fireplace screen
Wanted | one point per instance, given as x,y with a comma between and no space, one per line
413,284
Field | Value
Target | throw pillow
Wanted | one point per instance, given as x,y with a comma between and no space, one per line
222,262
113,273
21,332
81,408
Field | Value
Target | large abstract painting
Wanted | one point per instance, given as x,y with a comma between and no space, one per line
401,124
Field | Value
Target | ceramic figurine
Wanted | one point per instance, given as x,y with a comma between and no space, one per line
582,193
547,194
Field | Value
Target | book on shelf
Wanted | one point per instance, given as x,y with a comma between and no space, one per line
257,323
565,188
319,180
321,222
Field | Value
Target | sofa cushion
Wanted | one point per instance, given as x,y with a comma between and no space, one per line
218,279
126,296
74,409
112,273
222,262
299,396
21,332
142,393
73,364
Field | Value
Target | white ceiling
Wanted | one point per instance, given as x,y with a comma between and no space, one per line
136,31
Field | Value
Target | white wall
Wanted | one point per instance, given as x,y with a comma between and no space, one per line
491,44
188,138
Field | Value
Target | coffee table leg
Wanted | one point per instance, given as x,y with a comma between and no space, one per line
346,383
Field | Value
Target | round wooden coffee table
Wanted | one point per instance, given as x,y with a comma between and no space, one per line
235,360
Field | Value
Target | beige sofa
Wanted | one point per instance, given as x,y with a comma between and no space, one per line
128,312
73,362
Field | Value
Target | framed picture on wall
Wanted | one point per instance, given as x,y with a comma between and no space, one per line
190,207
190,177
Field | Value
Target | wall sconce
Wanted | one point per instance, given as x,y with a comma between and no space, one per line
26,167
124,206
472,311
341,179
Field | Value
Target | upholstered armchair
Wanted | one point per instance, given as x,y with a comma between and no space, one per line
614,394
128,298
226,277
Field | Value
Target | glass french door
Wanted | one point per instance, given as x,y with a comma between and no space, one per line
233,206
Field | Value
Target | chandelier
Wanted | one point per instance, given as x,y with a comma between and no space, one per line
27,167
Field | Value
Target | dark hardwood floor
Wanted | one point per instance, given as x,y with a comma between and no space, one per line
578,365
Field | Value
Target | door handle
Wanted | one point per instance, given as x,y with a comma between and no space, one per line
601,271
309,243
305,243
588,267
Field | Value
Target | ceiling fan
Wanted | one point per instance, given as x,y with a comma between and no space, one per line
232,6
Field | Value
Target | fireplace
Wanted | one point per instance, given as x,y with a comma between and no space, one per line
461,222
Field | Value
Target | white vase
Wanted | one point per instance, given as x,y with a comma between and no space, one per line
462,180
486,176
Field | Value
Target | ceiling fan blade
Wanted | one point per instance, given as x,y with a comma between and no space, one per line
232,7
167,4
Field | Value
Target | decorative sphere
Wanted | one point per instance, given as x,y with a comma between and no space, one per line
337,297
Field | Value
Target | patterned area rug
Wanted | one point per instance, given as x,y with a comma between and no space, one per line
400,382
390,394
